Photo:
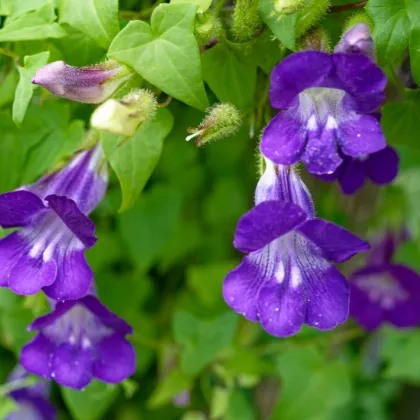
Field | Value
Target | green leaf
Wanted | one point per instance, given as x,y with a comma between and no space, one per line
240,406
307,378
38,24
173,384
202,5
166,53
392,27
13,324
8,88
25,87
92,403
96,18
229,78
135,160
148,225
202,339
20,7
415,54
399,121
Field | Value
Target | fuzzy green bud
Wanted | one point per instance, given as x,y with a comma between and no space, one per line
310,14
125,116
355,19
222,120
287,7
207,28
316,39
246,20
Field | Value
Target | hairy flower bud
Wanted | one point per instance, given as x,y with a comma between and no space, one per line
123,117
90,84
221,121
246,20
310,14
316,40
287,7
207,28
357,40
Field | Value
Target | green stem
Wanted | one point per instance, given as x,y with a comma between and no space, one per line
8,53
350,6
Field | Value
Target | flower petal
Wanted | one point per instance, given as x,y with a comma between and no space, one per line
71,366
382,166
115,359
11,248
36,356
49,319
74,219
74,276
336,243
321,155
284,138
296,73
360,135
353,175
265,222
29,275
18,207
241,285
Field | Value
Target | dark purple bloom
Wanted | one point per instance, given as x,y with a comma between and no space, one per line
32,402
286,279
380,167
78,341
90,84
48,251
325,103
383,291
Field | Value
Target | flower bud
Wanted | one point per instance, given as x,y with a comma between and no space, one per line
90,84
310,14
207,28
123,117
357,40
287,7
315,40
222,121
246,20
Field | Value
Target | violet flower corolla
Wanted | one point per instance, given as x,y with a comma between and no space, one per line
89,84
32,401
286,279
325,102
48,251
78,341
384,291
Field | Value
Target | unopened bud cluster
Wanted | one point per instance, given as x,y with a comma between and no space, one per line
125,116
221,121
246,20
208,28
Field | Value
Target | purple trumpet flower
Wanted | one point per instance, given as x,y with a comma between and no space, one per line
48,251
325,101
90,84
383,291
286,279
32,402
78,341
380,167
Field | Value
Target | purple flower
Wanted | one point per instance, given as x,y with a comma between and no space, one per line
380,167
286,279
325,103
383,291
90,84
48,251
32,402
357,40
80,340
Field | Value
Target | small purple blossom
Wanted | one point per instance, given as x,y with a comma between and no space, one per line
32,402
383,291
380,167
325,101
90,84
286,279
48,251
357,40
78,341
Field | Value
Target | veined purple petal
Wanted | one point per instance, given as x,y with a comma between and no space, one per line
45,321
352,176
296,73
74,219
36,356
18,207
382,167
11,248
284,138
72,366
115,359
265,222
336,243
360,136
